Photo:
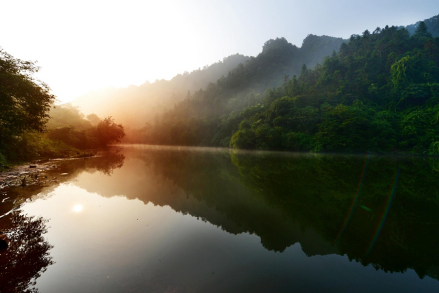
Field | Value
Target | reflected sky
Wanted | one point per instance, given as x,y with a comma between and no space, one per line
149,227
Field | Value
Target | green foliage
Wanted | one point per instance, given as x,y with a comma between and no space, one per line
31,145
81,139
72,132
243,139
211,116
344,129
380,93
24,100
68,125
24,112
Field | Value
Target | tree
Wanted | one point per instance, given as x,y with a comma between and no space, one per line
108,131
25,101
422,31
304,70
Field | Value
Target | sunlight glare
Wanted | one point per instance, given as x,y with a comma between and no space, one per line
78,208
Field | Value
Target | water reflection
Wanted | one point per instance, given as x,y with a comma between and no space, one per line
352,207
285,199
28,254
377,211
77,208
68,170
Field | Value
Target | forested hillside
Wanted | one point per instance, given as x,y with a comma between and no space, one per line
135,105
379,93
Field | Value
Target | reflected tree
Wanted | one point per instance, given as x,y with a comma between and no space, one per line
106,162
110,161
28,254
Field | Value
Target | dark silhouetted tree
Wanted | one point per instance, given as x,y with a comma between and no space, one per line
109,132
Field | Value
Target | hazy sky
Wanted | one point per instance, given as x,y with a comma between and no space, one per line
87,45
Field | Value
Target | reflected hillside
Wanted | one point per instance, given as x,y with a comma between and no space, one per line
376,210
360,206
206,185
106,162
348,200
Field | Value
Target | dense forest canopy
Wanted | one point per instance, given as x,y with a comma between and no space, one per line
135,105
378,93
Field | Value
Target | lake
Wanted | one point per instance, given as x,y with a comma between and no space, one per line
175,219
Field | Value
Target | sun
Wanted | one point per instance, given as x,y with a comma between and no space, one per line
78,208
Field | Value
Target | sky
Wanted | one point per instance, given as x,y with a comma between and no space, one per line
83,46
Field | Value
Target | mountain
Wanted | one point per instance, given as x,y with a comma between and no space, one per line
215,106
431,23
135,105
315,48
379,93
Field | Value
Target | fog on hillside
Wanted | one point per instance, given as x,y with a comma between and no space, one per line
135,105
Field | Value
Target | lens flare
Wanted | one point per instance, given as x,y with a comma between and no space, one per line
386,212
354,203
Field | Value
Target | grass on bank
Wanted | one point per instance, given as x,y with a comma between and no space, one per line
36,146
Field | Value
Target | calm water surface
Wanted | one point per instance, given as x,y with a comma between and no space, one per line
151,219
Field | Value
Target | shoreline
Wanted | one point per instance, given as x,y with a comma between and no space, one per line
26,174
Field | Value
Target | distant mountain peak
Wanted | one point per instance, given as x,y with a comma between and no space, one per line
278,43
